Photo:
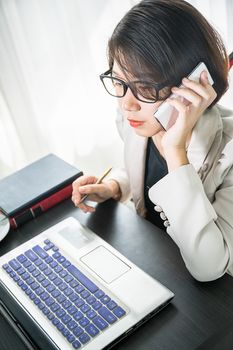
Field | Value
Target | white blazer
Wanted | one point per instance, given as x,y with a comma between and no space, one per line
196,200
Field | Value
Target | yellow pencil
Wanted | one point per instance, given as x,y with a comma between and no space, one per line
97,182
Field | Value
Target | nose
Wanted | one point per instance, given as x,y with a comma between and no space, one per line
130,103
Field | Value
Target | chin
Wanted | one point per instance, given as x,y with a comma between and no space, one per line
149,131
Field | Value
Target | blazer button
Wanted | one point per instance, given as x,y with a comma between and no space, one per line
166,223
205,167
163,216
158,208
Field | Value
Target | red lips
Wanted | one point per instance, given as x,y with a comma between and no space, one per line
135,123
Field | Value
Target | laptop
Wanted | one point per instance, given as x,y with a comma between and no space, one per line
67,288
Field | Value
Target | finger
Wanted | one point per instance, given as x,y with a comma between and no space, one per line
82,205
86,208
189,95
83,180
202,90
90,189
204,80
181,107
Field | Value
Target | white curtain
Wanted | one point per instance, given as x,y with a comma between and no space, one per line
51,98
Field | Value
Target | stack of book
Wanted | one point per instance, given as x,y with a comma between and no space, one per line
34,189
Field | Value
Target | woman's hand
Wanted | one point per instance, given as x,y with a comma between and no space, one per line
96,192
196,97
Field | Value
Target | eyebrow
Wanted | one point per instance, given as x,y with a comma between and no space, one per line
140,76
115,73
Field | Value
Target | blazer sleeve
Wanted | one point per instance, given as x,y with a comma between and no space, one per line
203,231
120,174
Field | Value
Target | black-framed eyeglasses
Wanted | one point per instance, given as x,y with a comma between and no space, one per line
147,92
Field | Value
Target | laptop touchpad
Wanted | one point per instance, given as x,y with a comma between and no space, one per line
105,264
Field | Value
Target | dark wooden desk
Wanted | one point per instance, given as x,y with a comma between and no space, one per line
199,317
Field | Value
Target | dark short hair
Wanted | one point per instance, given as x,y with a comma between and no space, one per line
164,40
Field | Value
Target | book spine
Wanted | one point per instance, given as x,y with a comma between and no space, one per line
40,207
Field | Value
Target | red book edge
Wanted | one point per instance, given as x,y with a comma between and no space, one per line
41,206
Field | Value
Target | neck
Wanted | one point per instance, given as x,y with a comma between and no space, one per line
157,141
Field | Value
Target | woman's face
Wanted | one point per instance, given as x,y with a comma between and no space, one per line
139,114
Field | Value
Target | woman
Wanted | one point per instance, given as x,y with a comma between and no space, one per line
181,178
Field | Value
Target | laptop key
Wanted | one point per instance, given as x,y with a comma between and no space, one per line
82,278
91,314
99,294
38,262
31,255
56,255
105,299
73,297
55,321
41,252
14,264
21,258
84,338
50,316
78,316
66,318
56,293
84,322
53,264
60,327
85,308
72,310
96,305
78,331
60,313
40,278
27,263
55,249
49,259
107,315
76,344
68,278
72,325
55,307
61,259
66,263
119,312
79,302
100,322
92,330
65,332
66,304
70,338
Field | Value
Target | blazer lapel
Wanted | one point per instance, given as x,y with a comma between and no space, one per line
207,131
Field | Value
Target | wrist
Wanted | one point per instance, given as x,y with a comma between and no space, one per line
175,157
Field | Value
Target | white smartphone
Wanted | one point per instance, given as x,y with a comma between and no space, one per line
166,115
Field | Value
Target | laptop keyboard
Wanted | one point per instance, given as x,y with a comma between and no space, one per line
68,298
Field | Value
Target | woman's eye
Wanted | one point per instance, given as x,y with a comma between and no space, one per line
147,91
116,83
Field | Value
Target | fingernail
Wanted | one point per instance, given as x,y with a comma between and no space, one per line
206,74
185,80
